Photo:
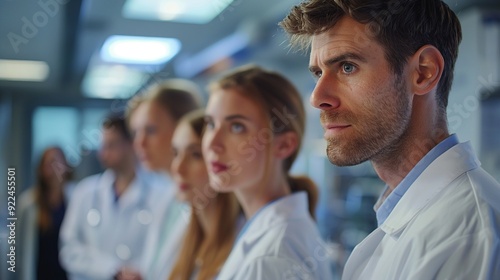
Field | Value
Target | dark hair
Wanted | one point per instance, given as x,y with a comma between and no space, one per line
117,122
65,173
285,110
400,26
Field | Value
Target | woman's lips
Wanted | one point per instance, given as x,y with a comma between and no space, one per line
218,167
183,187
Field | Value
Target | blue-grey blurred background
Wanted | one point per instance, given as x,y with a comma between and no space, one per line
63,68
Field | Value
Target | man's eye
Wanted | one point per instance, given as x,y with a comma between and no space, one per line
348,68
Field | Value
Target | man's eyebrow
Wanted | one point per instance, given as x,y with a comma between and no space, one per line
339,58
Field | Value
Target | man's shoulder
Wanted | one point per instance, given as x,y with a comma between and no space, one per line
467,206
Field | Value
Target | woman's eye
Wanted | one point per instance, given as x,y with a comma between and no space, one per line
150,130
237,128
209,124
348,68
197,155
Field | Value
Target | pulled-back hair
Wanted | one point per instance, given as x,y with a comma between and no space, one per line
284,107
400,26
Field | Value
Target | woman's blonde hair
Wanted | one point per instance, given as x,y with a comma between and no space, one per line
283,105
176,96
209,250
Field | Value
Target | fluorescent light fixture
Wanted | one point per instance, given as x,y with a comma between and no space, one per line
187,11
139,50
112,81
193,65
23,70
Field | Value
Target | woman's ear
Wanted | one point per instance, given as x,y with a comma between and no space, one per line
426,67
285,144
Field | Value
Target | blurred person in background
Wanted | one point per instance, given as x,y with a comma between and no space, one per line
255,121
215,217
109,214
41,212
152,118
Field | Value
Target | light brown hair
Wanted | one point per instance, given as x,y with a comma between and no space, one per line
213,247
400,26
176,96
285,111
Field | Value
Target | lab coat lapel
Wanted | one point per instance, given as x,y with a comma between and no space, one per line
105,204
435,178
362,254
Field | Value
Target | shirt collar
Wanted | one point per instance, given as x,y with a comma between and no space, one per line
384,208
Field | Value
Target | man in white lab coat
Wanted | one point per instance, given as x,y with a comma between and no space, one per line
384,70
109,215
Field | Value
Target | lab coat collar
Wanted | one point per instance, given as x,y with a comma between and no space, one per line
435,178
293,206
132,194
277,214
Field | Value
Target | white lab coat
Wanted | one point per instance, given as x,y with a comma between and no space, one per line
282,242
446,226
165,238
27,232
98,252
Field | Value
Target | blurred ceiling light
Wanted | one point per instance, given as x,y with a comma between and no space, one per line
188,11
23,70
188,67
139,50
112,81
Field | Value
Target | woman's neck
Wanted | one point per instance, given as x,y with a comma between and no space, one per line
252,199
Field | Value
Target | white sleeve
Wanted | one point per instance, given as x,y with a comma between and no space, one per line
469,257
273,268
76,255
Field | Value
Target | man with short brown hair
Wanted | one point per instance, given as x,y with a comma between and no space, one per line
384,70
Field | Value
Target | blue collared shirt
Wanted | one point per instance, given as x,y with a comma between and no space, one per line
390,202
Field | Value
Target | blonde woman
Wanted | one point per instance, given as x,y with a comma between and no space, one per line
152,117
215,218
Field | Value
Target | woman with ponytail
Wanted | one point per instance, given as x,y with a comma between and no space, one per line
255,120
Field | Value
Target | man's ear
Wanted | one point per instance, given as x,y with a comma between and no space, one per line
426,67
285,144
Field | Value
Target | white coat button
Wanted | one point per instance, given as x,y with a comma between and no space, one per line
123,252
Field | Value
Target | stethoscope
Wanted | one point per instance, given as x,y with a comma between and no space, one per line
144,216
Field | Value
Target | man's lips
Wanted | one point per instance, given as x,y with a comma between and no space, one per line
332,129
217,167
